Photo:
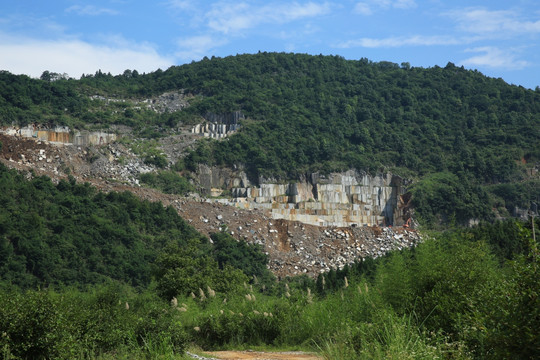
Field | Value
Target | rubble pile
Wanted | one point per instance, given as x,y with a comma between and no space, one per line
296,248
166,102
112,162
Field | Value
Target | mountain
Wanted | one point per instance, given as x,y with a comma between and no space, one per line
469,143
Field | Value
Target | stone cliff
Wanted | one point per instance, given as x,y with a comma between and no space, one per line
61,134
340,199
218,126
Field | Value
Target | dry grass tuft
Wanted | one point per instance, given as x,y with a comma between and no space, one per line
201,294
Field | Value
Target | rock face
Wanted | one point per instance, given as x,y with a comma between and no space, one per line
344,199
62,134
218,125
340,199
212,178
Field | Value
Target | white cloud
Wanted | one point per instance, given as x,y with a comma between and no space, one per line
363,9
181,4
501,23
233,18
404,4
90,10
196,47
494,58
368,7
399,41
75,57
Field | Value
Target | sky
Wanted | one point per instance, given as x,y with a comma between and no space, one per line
499,38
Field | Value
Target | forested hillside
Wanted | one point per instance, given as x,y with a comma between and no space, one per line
85,274
324,113
70,234
69,254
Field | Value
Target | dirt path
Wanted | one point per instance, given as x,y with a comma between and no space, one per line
257,355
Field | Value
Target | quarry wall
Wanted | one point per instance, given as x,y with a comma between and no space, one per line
344,199
218,126
61,134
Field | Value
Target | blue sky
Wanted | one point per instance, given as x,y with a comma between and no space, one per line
498,38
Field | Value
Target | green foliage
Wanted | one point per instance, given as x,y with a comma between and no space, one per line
186,269
447,298
230,328
149,152
451,277
506,239
71,324
69,234
449,197
169,182
512,195
240,255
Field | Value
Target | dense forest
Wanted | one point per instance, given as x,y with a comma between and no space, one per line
70,234
307,113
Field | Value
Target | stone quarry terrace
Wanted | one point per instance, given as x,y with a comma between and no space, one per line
341,200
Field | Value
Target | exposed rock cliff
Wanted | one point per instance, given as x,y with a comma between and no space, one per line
341,199
218,126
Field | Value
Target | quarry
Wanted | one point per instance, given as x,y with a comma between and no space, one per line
315,224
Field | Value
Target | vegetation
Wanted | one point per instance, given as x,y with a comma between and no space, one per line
169,182
447,298
323,113
103,321
85,274
462,294
70,234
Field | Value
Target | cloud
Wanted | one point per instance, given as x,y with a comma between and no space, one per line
233,18
501,23
494,57
196,47
181,4
370,6
363,9
399,41
75,57
90,10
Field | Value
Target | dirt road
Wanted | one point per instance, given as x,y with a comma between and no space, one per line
257,355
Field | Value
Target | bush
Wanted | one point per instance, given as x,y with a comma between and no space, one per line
167,181
71,324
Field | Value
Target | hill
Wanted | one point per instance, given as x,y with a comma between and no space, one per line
120,277
470,142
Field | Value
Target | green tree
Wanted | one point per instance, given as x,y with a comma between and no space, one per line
181,270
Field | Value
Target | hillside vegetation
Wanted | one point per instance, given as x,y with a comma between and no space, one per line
91,275
465,138
455,296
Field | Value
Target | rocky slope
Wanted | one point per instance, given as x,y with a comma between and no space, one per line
293,248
